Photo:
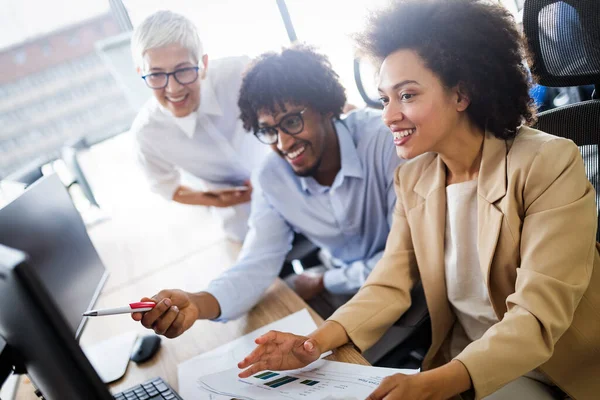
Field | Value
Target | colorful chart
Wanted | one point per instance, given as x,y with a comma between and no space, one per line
281,381
309,382
266,375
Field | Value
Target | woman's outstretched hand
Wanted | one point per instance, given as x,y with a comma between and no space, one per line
279,351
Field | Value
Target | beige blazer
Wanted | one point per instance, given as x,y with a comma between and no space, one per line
537,251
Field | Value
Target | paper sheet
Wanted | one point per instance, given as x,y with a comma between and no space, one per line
228,355
322,380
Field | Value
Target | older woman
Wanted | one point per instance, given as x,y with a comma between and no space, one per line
497,219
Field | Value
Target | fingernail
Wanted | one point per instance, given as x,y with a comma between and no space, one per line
168,302
309,346
175,308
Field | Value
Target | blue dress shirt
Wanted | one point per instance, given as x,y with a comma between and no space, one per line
350,219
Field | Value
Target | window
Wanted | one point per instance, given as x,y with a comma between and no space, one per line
329,26
20,57
46,49
74,40
226,27
27,19
31,35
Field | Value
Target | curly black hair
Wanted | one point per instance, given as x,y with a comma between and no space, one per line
298,75
471,43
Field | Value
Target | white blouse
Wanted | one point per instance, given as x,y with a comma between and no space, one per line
466,290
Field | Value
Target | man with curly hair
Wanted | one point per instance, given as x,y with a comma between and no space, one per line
329,178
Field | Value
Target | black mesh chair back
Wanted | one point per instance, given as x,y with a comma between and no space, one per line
564,40
564,122
563,37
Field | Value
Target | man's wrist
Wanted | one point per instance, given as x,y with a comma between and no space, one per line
207,305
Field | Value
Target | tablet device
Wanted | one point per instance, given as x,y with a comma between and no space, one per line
228,190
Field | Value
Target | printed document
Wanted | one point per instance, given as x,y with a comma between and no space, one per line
228,355
321,380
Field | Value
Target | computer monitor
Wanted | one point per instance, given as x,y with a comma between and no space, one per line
44,223
39,338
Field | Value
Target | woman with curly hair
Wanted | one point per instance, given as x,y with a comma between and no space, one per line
496,219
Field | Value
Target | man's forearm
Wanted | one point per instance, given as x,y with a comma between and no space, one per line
208,306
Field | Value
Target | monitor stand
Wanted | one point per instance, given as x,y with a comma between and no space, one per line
6,363
7,367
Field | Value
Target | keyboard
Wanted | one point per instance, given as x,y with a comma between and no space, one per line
154,389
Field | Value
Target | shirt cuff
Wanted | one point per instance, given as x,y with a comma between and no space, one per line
225,302
166,189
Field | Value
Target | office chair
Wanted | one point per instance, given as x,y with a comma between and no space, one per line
360,65
563,37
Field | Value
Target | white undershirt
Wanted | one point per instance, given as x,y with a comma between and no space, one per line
465,286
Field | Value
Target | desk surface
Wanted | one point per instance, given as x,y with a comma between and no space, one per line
149,244
278,302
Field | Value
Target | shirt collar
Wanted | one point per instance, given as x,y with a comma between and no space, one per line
187,123
208,99
351,164
208,105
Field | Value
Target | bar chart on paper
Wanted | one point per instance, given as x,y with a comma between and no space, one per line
228,355
283,380
322,380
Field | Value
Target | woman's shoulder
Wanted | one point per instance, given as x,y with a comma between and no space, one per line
531,144
150,121
532,138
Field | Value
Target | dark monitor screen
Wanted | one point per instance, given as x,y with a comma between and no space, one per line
40,341
44,223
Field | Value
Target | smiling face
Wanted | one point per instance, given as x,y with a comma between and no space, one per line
419,110
303,151
180,100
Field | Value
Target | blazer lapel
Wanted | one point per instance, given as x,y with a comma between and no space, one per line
491,187
429,224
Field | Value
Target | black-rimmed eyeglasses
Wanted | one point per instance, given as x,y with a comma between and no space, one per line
160,80
292,124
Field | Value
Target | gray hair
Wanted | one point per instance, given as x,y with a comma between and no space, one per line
162,29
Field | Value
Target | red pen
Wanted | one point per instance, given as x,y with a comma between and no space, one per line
131,308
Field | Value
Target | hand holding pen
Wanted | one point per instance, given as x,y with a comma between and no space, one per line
169,312
176,311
